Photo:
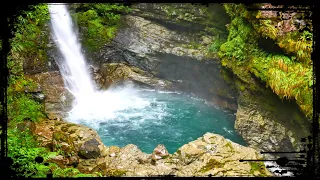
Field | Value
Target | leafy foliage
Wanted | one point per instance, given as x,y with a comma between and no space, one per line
215,46
287,77
29,42
239,40
98,22
23,150
295,43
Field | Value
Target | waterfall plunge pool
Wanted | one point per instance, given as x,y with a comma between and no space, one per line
146,118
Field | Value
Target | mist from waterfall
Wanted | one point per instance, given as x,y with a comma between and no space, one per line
90,104
73,68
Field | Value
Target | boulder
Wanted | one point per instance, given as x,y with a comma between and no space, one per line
117,72
160,152
213,155
69,139
90,149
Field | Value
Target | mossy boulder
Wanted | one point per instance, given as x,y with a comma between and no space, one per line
61,141
90,149
72,141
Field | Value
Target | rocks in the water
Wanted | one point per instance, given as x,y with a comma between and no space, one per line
117,72
160,152
90,149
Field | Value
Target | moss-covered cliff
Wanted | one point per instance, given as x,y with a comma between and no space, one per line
277,51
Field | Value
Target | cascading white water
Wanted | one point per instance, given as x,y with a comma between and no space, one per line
90,104
73,68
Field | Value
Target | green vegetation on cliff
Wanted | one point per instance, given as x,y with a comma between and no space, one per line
288,74
30,39
28,47
97,22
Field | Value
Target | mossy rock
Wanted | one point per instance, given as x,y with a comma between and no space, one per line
258,166
101,168
64,128
89,149
115,173
211,165
62,141
229,145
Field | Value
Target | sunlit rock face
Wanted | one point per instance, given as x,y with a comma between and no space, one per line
210,154
117,72
58,100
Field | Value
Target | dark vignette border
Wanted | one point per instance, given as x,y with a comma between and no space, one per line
10,10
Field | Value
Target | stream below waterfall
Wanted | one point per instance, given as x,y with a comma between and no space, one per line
129,115
147,117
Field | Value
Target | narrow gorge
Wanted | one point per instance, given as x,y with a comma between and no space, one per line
159,89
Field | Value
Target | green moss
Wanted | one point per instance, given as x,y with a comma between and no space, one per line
21,105
59,136
64,128
98,22
258,166
179,151
30,39
229,145
116,172
287,77
211,165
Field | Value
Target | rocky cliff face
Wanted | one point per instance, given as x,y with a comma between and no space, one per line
159,44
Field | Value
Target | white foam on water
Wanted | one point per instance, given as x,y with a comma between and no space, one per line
276,167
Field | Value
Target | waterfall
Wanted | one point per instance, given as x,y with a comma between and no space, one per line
90,104
73,67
